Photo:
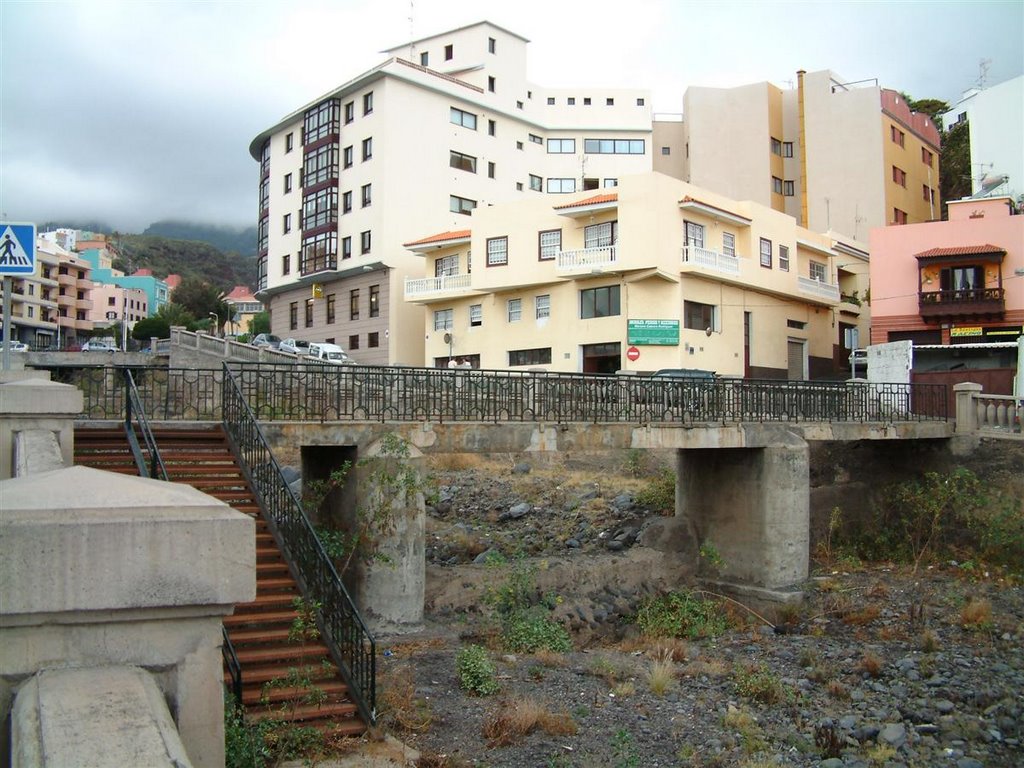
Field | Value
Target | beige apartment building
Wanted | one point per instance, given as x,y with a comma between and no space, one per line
656,273
837,156
444,128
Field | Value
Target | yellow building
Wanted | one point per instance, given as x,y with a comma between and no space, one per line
655,274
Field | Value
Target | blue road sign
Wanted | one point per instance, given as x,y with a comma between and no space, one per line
17,248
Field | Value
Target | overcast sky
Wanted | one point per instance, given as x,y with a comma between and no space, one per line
132,112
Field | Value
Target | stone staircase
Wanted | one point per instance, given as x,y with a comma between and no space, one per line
287,672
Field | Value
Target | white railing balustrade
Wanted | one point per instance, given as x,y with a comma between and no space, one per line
989,415
818,288
587,258
713,260
427,286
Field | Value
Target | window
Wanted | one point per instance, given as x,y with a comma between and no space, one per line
367,148
601,235
927,157
784,258
561,185
491,82
319,253
320,165
367,195
898,216
465,119
320,208
353,341
694,234
265,194
534,138
610,183
111,301
698,317
551,101
899,176
796,325
776,185
424,59
463,205
374,301
964,278
289,142
599,302
461,161
497,251
346,202
519,186
571,101
550,244
320,121
925,193
491,168
817,271
766,253
542,306
443,319
286,224
529,356
492,45
287,182
447,266
519,145
368,103
728,243
346,247
449,52
613,146
364,241
350,112
787,149
286,264
640,102
609,102
330,308
561,146
309,313
586,101
353,304
898,137
666,150
787,188
476,315
776,147
373,339
293,315
515,310
519,105
348,156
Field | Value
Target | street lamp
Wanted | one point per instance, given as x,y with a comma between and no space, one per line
216,321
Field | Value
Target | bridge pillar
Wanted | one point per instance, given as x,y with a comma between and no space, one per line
752,505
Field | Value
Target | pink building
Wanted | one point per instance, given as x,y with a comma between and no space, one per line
949,282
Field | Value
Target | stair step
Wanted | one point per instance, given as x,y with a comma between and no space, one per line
267,584
264,673
301,713
287,651
243,636
264,618
335,689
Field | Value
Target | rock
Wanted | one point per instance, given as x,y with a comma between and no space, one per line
572,544
832,762
290,474
483,557
522,468
615,545
893,734
968,762
516,511
944,706
622,502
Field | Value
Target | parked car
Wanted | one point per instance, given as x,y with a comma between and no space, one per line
330,353
672,387
295,346
267,340
95,345
18,346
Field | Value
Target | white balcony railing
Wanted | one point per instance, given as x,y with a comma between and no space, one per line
431,286
713,260
587,258
817,288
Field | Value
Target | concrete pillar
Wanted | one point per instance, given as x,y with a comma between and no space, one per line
40,407
966,408
752,505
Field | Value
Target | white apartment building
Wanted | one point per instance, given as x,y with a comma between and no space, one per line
996,118
445,126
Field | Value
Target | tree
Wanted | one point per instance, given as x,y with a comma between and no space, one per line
934,108
201,299
955,179
175,314
260,323
155,327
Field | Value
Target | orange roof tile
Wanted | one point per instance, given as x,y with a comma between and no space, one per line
240,293
459,234
960,250
596,200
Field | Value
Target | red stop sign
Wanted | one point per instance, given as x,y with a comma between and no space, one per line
633,353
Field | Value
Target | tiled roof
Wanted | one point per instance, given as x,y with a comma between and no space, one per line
960,250
460,234
596,200
240,293
695,201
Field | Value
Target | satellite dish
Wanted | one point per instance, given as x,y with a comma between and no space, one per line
447,338
707,331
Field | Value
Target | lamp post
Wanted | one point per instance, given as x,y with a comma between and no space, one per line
216,321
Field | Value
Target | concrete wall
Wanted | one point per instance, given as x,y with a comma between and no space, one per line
36,420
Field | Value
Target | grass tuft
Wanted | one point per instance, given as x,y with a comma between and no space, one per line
518,717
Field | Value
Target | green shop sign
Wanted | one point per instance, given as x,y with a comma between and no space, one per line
653,332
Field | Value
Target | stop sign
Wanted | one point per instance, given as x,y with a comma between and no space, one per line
633,353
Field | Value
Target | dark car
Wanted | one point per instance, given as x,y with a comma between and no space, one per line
675,387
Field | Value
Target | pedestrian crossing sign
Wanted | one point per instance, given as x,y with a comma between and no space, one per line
17,248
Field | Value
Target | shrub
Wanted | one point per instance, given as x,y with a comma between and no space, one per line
976,615
476,671
517,718
528,632
661,676
523,613
760,684
680,614
660,492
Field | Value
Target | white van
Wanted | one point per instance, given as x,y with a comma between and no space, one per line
330,353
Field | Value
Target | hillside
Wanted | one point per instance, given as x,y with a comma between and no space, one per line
188,258
227,239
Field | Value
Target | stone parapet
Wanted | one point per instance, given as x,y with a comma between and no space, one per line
36,405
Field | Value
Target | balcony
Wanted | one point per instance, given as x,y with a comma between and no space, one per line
67,279
426,288
969,302
587,259
706,259
818,289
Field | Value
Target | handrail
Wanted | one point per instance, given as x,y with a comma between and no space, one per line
233,664
342,628
133,407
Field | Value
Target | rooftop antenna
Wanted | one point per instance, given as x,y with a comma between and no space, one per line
983,65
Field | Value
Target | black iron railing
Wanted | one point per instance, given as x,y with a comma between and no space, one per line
136,425
321,393
342,628
234,667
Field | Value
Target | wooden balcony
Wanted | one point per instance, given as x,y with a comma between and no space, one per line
970,302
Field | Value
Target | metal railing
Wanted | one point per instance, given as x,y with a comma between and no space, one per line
313,392
342,628
234,667
135,425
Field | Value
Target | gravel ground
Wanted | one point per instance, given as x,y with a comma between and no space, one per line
879,667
